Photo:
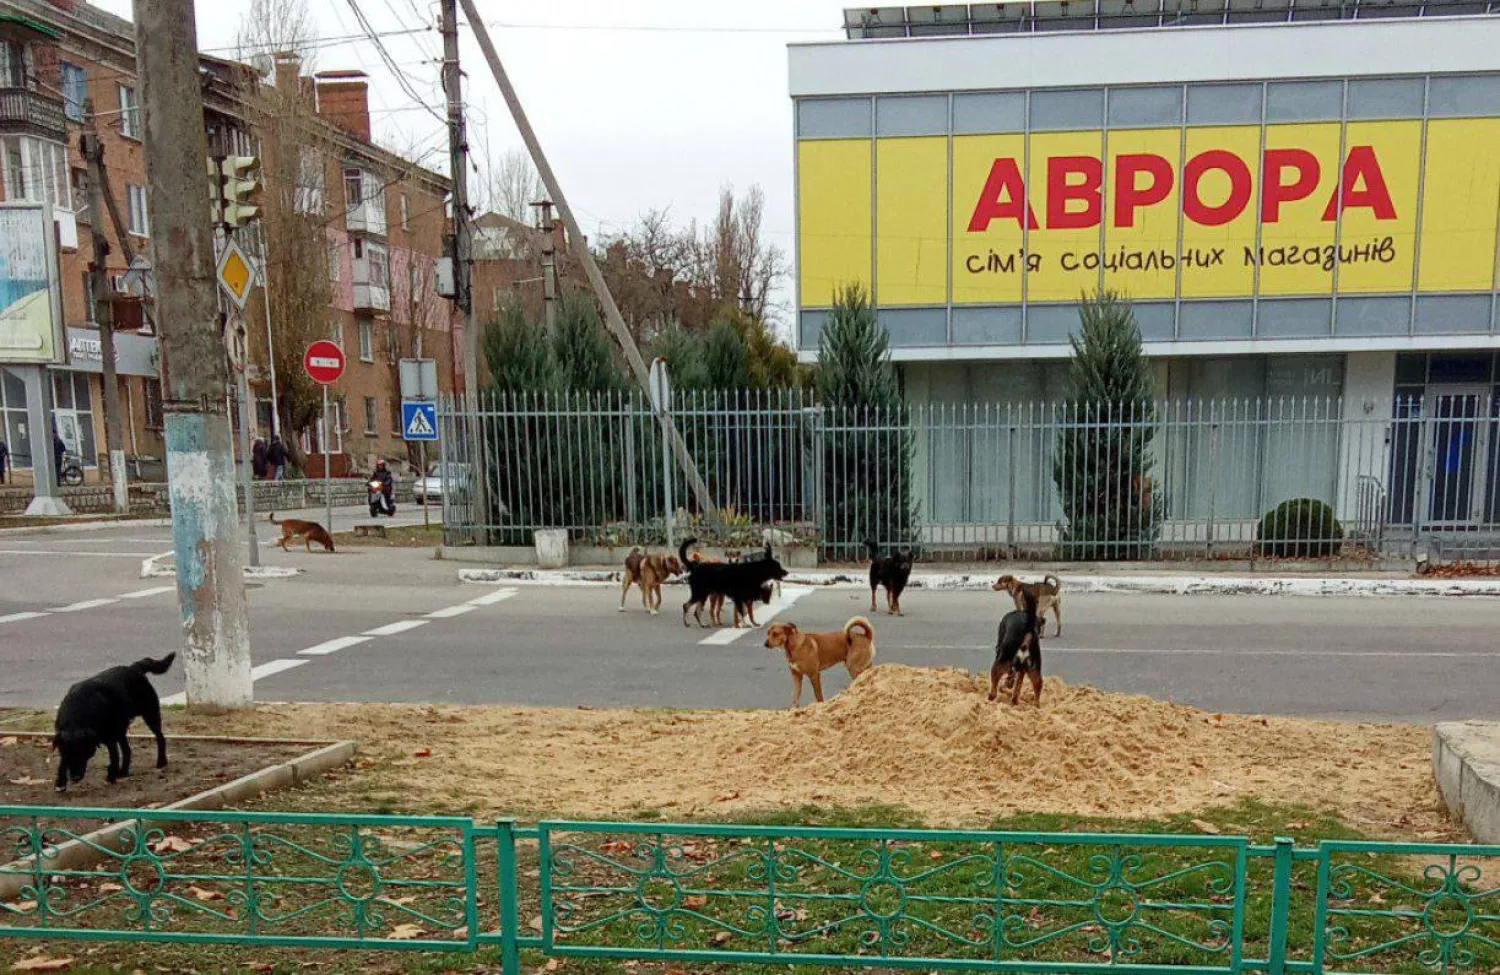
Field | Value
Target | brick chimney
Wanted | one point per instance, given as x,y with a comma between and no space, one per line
344,100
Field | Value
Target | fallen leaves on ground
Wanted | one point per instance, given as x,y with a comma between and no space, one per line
42,963
406,932
1459,570
171,844
202,894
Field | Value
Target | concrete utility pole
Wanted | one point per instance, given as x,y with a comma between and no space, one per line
103,310
463,256
612,316
549,262
200,458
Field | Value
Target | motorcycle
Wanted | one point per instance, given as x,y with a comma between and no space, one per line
379,503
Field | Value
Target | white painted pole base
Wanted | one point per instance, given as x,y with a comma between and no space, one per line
206,541
120,481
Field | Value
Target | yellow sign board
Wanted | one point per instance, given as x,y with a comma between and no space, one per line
1310,209
236,274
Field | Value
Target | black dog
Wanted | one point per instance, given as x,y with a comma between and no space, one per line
98,711
891,571
738,582
1018,650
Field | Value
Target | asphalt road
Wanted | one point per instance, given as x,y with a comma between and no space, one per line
395,625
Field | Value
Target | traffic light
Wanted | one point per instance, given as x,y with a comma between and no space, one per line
241,189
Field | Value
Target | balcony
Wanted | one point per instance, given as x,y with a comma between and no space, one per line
372,279
367,218
29,112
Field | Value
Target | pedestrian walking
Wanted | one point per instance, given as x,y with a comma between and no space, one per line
4,459
276,458
59,449
258,463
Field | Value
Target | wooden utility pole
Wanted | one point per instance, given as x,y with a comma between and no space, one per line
612,316
103,310
200,457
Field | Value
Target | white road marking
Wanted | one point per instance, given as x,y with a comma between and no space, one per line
493,598
391,629
145,593
451,611
256,673
86,604
18,617
724,637
274,667
334,646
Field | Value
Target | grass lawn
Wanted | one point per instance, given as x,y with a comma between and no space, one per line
396,536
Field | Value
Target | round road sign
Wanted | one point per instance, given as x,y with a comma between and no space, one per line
324,362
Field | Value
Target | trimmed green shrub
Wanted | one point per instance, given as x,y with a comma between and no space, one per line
1300,528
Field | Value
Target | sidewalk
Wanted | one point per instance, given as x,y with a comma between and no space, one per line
1134,579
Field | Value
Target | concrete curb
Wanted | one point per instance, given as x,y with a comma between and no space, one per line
1466,764
153,569
92,526
1145,584
76,854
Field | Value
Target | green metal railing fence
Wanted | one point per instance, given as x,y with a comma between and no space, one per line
936,900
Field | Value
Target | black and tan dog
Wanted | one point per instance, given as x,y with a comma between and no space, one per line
891,571
738,582
1018,650
309,531
649,572
1047,593
98,711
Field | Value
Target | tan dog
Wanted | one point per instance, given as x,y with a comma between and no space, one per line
648,572
809,654
1047,593
309,531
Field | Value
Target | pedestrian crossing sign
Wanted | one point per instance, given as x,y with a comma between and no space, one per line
418,420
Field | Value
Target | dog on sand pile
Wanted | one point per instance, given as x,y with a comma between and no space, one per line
891,571
809,654
309,531
648,572
1047,593
98,711
1018,650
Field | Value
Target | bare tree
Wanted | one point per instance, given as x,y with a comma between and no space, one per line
513,186
298,205
736,263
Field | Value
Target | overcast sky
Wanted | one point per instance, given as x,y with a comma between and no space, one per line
644,105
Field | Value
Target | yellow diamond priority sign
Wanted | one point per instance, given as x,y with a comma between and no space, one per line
236,275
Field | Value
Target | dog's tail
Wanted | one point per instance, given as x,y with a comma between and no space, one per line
859,623
873,548
687,543
273,519
1056,582
148,666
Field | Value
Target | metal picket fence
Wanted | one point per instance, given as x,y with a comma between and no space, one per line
1051,481
935,900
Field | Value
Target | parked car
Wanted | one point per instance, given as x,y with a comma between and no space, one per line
451,477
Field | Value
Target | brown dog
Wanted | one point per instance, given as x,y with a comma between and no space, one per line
809,654
648,572
309,531
1047,593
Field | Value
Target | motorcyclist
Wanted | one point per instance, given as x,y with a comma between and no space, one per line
382,475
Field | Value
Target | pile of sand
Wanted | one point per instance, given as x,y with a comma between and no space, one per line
924,739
